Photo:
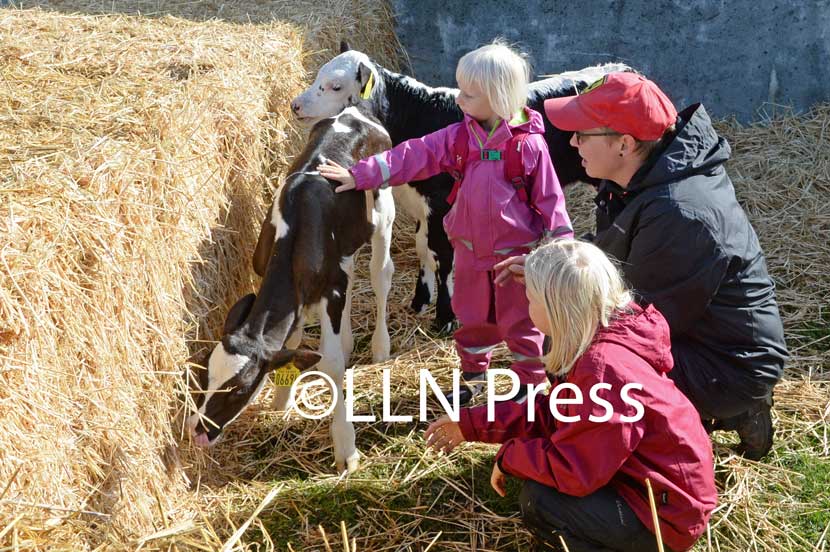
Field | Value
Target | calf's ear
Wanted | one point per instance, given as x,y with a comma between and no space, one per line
344,46
238,313
301,359
363,74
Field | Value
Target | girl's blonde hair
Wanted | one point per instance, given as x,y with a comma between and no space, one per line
580,289
502,74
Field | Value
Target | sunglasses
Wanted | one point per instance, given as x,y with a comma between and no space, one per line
581,135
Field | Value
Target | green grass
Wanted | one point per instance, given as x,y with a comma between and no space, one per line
816,336
812,515
381,489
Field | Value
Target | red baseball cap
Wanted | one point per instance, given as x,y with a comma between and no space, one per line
626,102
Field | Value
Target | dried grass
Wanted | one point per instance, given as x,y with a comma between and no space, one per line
137,157
366,24
781,170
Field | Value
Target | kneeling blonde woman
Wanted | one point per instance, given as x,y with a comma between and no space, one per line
585,480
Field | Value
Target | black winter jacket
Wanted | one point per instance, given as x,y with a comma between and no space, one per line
686,246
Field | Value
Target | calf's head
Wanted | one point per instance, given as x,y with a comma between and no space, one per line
340,83
234,374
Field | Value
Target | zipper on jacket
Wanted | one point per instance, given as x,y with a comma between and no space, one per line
491,239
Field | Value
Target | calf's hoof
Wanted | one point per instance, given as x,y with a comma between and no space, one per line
381,347
350,465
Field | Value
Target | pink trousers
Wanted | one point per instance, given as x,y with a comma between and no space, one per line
490,314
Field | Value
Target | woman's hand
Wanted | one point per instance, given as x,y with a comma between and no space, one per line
497,480
443,434
330,169
514,267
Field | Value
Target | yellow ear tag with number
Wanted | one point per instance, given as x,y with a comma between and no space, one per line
367,90
285,375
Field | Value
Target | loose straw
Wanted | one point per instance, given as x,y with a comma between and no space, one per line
433,541
244,527
654,517
345,536
325,538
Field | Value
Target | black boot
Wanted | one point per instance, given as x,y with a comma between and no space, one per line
472,385
755,429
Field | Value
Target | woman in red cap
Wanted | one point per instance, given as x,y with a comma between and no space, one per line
666,209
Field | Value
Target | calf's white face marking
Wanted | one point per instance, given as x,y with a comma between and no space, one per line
331,91
222,367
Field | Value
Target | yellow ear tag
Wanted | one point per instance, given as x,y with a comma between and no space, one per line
285,375
596,84
367,90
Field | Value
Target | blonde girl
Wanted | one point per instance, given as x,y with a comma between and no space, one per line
586,454
490,220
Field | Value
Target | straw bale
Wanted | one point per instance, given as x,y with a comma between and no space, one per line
134,177
138,155
368,25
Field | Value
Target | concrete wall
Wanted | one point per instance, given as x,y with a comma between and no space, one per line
732,55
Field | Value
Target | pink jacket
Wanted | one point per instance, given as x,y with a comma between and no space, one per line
488,217
668,444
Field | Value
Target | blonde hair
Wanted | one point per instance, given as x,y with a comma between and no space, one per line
502,74
580,289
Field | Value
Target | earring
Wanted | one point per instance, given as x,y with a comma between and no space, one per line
621,154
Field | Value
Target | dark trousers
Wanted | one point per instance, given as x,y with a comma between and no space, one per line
599,522
713,390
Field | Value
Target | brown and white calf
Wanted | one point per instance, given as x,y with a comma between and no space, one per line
410,109
305,255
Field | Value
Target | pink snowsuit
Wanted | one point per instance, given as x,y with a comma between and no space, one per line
488,223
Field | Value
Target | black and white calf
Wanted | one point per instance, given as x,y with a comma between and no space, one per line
305,254
410,109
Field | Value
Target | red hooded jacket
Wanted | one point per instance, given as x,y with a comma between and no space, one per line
668,444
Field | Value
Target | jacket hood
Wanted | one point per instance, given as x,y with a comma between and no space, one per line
534,124
696,149
644,332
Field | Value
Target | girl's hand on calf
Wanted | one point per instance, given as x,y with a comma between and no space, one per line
514,267
443,434
497,480
330,169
